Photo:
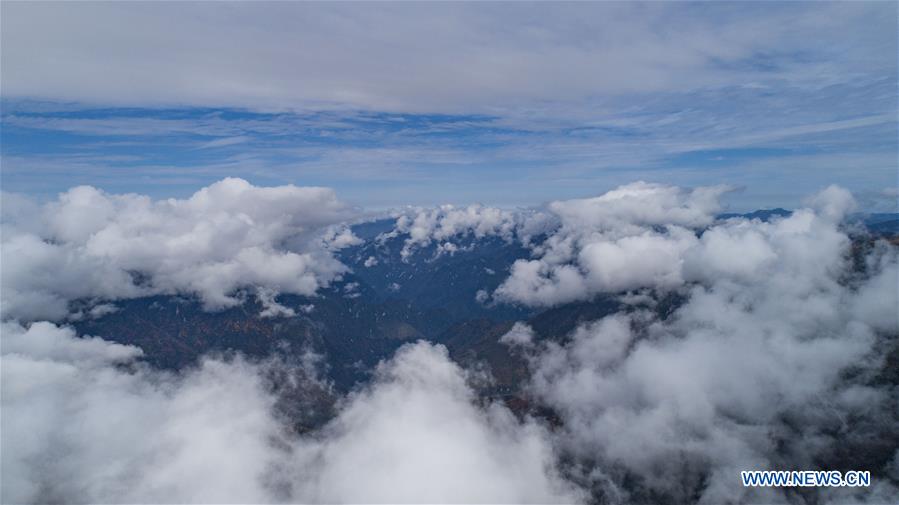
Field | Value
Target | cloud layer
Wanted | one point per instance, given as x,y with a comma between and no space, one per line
774,355
631,237
227,236
529,57
770,362
83,423
445,224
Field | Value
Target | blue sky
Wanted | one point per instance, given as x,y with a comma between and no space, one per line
506,104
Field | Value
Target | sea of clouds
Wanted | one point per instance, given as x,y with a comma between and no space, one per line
773,359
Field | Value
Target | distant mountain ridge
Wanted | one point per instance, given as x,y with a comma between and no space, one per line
885,224
762,214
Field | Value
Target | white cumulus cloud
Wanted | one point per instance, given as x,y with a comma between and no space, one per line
225,237
767,364
83,423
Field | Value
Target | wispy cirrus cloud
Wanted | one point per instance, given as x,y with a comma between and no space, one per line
451,101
